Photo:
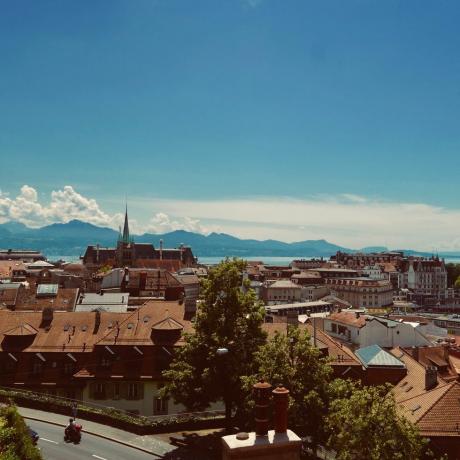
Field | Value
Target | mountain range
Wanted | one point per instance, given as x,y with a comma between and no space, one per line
70,239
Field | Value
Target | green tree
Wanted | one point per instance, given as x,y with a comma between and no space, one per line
457,283
453,273
229,317
291,359
363,424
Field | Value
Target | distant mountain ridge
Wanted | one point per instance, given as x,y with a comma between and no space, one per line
72,238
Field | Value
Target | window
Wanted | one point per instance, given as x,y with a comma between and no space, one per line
99,391
105,362
37,367
133,391
160,406
69,368
116,391
334,327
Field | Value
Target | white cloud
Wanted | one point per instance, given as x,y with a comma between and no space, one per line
351,222
348,220
162,223
65,205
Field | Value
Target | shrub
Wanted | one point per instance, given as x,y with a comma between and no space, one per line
15,441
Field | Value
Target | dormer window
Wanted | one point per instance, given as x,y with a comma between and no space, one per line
106,362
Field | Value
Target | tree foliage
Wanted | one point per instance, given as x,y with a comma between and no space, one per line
290,359
229,316
453,273
363,424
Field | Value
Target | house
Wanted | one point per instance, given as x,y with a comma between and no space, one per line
282,291
12,270
362,292
113,359
431,403
41,296
191,289
143,283
364,330
380,365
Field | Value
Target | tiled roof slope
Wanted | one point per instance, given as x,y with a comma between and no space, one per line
436,412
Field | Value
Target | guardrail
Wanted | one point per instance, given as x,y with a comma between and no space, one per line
111,416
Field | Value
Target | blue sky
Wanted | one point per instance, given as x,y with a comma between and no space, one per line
180,103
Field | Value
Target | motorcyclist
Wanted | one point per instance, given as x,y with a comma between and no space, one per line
70,428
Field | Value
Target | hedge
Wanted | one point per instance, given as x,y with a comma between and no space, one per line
112,417
15,440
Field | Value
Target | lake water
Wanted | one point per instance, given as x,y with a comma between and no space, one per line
281,261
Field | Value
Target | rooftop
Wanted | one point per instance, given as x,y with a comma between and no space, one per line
375,356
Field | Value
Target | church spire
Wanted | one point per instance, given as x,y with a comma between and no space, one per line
125,237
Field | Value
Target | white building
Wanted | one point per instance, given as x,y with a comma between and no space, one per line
364,330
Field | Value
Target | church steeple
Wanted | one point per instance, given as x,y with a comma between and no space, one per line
125,237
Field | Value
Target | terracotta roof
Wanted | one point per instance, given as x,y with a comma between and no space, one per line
21,330
348,318
437,356
437,411
168,324
7,267
8,297
136,328
414,382
172,265
65,299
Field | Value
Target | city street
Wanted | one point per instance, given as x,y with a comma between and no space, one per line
53,447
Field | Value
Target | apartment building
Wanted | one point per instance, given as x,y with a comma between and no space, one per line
362,292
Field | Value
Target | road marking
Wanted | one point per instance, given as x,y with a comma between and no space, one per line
100,458
48,440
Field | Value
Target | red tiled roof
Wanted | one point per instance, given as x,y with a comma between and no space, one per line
348,318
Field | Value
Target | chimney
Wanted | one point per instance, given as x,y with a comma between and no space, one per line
416,353
161,249
47,315
262,400
281,400
357,314
431,377
97,321
264,444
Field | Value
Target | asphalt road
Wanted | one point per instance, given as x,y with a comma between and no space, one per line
53,447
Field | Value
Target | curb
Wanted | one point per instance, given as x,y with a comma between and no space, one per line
108,438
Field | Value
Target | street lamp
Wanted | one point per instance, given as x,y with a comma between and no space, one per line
221,351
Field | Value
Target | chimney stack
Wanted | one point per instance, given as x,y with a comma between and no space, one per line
281,399
262,400
431,377
264,444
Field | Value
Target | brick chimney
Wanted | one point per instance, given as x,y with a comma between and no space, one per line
281,400
431,377
264,444
262,400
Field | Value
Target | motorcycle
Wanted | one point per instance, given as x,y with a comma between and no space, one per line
73,434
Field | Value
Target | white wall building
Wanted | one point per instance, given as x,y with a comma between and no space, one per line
364,330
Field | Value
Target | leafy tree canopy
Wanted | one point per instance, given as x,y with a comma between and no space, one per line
228,316
291,359
363,424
